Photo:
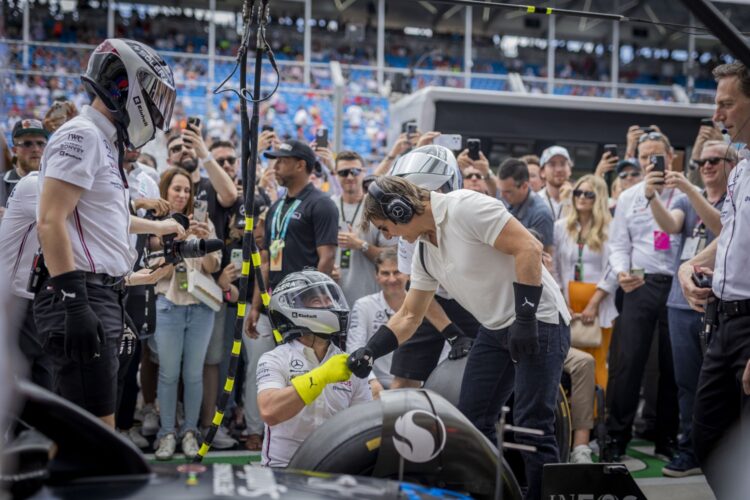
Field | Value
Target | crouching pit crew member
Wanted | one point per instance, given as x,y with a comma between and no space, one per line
84,219
471,246
305,381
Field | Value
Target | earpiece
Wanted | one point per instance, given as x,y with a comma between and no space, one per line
396,208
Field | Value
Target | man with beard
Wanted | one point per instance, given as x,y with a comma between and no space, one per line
556,165
188,150
29,140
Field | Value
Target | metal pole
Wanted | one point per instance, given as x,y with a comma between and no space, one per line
339,87
211,58
308,44
551,55
26,34
381,42
615,70
468,63
111,19
690,61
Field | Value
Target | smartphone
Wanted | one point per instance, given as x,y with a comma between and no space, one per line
195,121
707,122
411,128
647,129
265,128
321,138
701,280
200,210
450,141
660,163
611,149
236,258
640,273
474,146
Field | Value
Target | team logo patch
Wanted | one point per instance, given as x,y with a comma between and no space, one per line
419,436
397,212
296,364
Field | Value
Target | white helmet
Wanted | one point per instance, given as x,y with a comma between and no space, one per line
135,84
430,167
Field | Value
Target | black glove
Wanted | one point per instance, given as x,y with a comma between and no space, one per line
457,339
381,343
523,335
84,335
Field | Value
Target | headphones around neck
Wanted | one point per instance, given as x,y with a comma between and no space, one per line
396,207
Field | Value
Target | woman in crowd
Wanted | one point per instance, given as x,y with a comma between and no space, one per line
582,271
184,327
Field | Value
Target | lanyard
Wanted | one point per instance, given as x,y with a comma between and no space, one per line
350,223
578,272
552,207
700,227
278,226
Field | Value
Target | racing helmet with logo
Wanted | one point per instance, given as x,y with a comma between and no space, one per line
430,167
135,84
309,302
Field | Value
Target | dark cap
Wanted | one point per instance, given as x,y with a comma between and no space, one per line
294,149
29,126
623,164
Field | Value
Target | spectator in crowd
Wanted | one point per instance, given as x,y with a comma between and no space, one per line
183,329
148,160
474,180
536,179
372,311
556,165
29,141
403,144
629,172
607,164
304,381
695,217
357,248
525,205
724,382
301,231
643,257
582,264
705,133
487,180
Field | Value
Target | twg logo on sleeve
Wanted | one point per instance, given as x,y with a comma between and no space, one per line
419,436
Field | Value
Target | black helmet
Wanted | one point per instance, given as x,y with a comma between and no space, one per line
135,84
309,302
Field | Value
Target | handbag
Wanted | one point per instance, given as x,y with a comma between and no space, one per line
204,289
582,335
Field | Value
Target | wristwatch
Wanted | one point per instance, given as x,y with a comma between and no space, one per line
365,246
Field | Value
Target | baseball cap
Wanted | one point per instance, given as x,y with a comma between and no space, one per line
623,164
293,149
29,126
552,151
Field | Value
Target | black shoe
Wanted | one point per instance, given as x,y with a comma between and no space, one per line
665,450
612,451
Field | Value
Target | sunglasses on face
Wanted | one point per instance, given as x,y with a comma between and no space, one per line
713,161
229,159
589,195
473,175
175,149
625,175
31,144
651,136
354,172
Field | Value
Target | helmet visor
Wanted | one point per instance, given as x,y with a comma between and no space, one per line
161,97
318,296
421,163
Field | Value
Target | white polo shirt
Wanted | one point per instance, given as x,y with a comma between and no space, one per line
82,152
467,265
276,369
368,314
18,235
731,279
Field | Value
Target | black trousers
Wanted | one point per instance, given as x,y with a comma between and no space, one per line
31,343
642,311
720,402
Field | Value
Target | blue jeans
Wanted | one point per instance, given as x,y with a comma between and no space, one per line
491,377
182,335
684,328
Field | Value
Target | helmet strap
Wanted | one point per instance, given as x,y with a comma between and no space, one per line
121,152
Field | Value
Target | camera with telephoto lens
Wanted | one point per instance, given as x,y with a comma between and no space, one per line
175,251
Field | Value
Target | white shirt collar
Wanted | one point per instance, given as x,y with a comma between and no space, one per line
100,121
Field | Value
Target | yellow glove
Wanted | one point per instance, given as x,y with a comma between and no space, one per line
311,384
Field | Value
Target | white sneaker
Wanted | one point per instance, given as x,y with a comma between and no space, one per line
222,439
189,444
150,421
581,454
167,445
135,437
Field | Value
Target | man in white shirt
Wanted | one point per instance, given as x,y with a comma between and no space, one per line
492,266
372,311
556,165
720,402
304,381
643,258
